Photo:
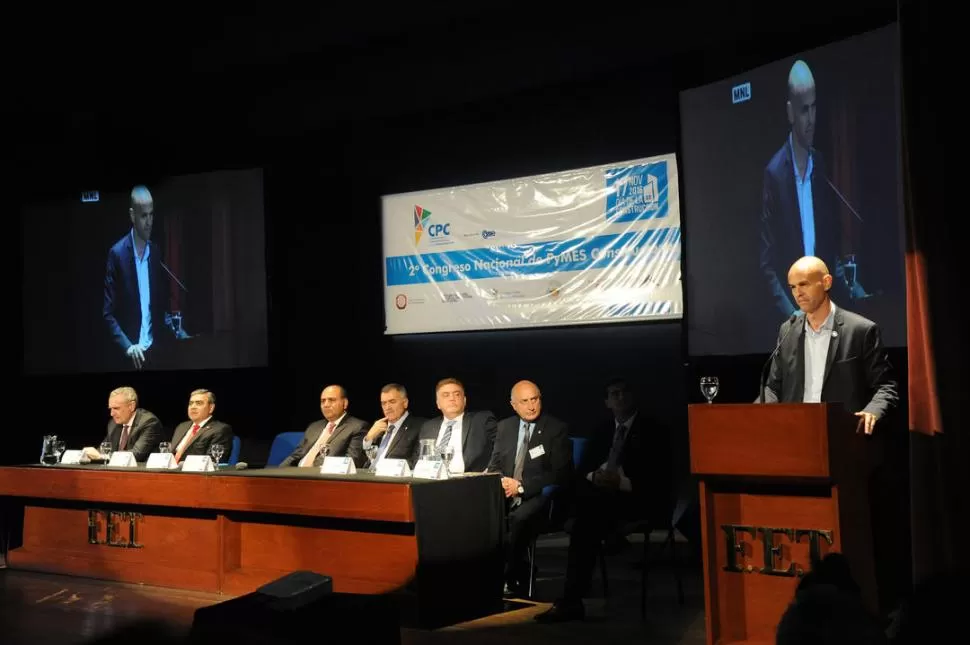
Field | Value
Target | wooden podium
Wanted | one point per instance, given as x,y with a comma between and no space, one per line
780,484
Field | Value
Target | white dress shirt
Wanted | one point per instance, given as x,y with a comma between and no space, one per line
144,292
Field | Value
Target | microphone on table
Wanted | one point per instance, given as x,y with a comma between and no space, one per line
764,370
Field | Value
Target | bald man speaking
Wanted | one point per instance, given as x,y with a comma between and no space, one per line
799,213
830,354
136,287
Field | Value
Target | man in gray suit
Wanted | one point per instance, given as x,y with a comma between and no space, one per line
830,354
131,428
341,433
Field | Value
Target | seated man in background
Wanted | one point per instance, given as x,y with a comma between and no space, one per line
341,433
131,428
197,435
396,433
470,434
625,474
532,451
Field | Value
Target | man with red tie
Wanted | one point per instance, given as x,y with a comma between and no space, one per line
340,433
197,435
131,428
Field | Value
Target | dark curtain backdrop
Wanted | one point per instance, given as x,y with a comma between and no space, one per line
939,482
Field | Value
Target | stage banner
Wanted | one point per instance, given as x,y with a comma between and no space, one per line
592,245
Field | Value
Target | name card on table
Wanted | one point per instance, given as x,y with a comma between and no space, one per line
338,466
123,459
161,461
430,469
198,464
74,457
393,468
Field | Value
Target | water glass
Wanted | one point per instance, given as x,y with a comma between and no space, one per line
216,451
372,456
447,454
709,387
105,449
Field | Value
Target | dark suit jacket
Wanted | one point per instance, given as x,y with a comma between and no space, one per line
857,369
782,241
212,432
405,440
552,467
477,438
347,440
122,305
143,437
646,459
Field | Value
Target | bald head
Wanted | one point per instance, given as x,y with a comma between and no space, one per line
526,400
811,265
800,78
810,281
801,105
141,210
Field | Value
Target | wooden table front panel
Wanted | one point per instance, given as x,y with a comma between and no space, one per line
178,552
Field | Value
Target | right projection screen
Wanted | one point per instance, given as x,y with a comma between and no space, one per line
798,157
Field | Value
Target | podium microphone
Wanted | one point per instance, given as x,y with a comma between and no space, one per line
172,275
767,365
840,195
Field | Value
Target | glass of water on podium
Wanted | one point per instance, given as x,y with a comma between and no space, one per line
709,387
849,272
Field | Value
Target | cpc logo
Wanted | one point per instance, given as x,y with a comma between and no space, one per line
400,301
437,232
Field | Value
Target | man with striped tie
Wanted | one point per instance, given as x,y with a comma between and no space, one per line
470,434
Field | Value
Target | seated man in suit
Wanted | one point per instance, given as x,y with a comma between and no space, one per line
197,435
829,353
625,474
396,433
470,434
131,428
341,433
532,451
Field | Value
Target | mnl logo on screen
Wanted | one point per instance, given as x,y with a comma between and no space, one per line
741,93
436,232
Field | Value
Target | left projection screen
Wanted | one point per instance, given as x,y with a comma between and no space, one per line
168,275
585,246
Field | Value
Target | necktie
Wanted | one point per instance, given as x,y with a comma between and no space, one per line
523,451
446,437
313,457
123,442
186,443
618,439
385,442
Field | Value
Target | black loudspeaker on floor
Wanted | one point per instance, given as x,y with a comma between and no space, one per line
296,608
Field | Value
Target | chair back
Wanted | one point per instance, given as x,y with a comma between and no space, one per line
283,446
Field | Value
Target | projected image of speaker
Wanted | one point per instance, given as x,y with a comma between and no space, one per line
799,157
154,275
297,608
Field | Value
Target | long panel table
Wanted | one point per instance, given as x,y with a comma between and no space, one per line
438,545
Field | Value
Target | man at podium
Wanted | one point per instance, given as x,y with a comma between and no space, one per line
826,353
